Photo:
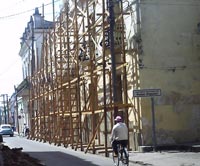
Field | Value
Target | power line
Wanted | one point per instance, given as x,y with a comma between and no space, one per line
8,68
24,12
172,3
6,8
144,3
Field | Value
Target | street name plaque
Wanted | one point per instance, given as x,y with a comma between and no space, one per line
150,93
146,92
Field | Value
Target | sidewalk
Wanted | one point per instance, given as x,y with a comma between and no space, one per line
167,157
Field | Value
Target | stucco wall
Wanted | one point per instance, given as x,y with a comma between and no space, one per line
171,62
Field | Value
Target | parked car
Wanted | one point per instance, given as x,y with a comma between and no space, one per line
6,129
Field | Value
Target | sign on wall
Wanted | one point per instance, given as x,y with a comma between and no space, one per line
147,92
150,93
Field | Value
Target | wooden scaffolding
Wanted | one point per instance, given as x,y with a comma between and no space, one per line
71,96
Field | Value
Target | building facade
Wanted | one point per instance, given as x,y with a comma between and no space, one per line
170,61
30,53
74,93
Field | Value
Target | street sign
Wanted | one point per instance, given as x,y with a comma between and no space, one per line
146,92
150,93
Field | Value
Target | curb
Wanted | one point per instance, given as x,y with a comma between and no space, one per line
188,148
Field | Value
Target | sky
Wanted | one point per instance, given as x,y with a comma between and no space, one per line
14,16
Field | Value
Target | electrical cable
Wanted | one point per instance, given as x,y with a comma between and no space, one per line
24,12
6,8
9,67
171,4
144,3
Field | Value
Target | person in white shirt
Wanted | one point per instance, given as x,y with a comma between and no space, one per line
119,134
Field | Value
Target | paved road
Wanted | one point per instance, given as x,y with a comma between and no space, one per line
52,155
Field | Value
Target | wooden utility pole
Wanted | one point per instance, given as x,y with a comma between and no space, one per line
112,52
16,109
5,106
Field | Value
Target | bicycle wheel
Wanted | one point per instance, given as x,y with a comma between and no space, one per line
124,160
115,159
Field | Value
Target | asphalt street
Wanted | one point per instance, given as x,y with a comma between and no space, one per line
52,155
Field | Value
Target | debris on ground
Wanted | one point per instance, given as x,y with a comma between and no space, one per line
15,157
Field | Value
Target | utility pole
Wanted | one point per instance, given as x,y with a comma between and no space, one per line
5,109
16,109
4,106
112,52
7,105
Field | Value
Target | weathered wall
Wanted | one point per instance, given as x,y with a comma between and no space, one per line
171,62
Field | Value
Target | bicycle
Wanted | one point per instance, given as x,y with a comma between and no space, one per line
122,159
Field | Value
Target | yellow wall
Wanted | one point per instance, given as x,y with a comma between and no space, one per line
171,62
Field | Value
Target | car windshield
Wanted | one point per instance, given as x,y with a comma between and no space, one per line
5,127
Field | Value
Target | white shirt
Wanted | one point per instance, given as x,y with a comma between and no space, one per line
119,132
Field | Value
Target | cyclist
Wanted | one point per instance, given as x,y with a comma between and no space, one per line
25,130
119,134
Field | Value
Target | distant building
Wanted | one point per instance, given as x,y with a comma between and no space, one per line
30,53
31,43
12,104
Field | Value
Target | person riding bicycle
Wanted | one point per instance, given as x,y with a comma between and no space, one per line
25,130
119,134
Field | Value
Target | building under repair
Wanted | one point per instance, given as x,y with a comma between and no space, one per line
88,61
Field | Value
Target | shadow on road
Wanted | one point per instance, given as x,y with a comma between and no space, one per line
59,159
